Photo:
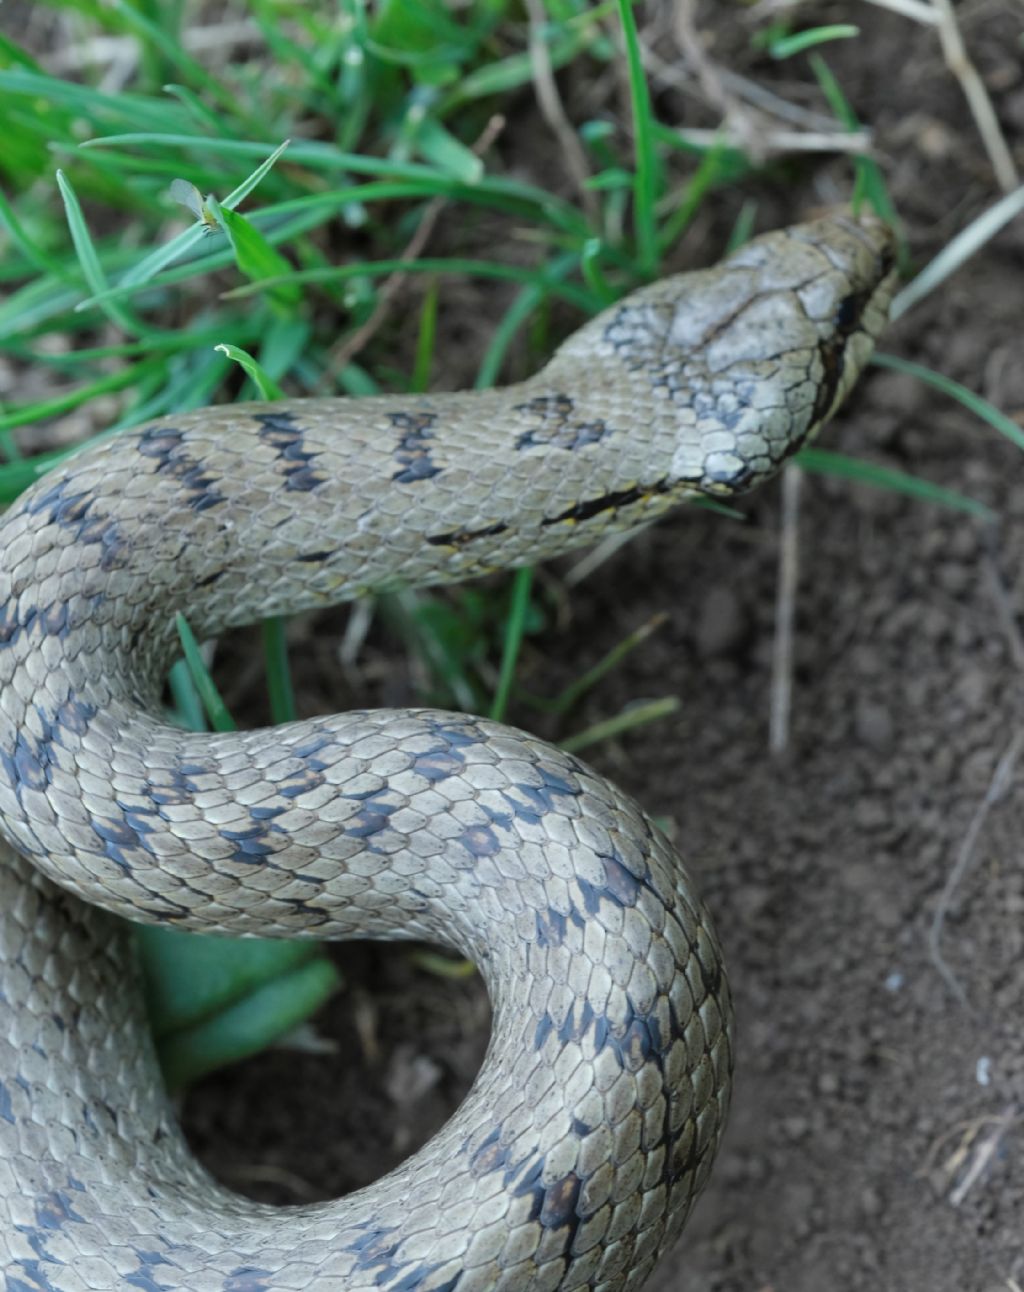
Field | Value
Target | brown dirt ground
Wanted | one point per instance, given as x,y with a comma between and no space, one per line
875,1141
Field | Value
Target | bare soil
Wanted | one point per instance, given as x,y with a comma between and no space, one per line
875,1142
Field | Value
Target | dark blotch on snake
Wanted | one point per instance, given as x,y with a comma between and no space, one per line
118,835
144,1277
252,846
370,819
287,438
611,501
460,537
489,1155
167,446
248,1278
634,1039
551,927
556,430
375,1252
64,507
413,451
30,766
72,512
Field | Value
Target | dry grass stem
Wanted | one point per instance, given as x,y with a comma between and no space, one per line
785,612
100,50
982,1151
1001,779
550,102
663,72
737,120
918,10
347,350
597,556
958,62
751,112
786,141
1004,610
958,250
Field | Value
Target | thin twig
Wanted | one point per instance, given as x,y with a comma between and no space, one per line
346,351
736,117
958,62
1004,610
597,556
677,76
774,104
969,240
1001,778
982,1153
918,10
752,129
785,611
550,102
778,140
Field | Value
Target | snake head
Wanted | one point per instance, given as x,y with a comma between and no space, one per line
741,364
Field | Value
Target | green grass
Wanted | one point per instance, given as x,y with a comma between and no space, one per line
129,269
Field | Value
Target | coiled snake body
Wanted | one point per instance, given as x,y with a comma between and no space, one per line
595,1118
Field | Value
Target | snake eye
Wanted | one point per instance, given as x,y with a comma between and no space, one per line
847,313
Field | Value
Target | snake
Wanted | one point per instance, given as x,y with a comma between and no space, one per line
591,1128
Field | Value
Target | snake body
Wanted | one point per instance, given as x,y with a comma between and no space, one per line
593,1124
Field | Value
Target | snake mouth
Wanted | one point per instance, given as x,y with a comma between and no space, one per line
859,316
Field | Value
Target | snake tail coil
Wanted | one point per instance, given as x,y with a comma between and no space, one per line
593,1123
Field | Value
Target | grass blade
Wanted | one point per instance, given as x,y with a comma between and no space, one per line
279,677
216,709
869,473
267,387
959,249
89,259
976,403
522,582
635,715
787,46
645,190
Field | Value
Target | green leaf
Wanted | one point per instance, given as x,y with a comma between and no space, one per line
90,260
787,46
16,477
509,73
645,188
216,709
425,340
267,387
515,625
213,1000
440,147
279,678
256,258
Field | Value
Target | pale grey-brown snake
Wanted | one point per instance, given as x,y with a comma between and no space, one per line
594,1120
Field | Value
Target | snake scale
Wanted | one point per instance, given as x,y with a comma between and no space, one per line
592,1126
